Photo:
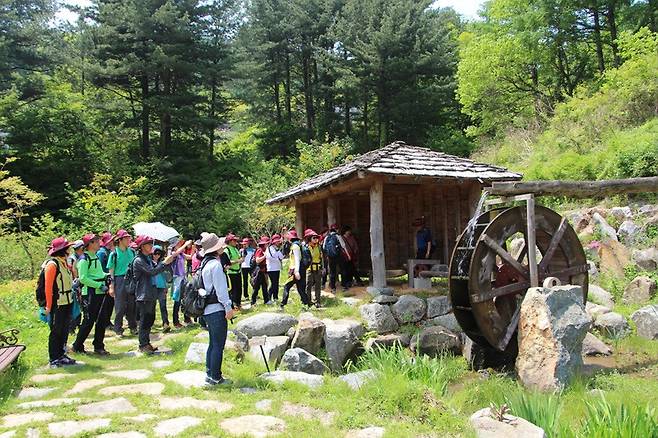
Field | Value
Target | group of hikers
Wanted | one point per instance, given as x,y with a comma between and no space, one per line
82,283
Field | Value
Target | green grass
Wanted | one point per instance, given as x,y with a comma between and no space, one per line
411,397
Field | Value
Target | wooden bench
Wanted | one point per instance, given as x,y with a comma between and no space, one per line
438,269
9,348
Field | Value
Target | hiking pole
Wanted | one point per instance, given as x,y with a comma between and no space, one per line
264,358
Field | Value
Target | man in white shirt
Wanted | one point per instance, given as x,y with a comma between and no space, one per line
273,258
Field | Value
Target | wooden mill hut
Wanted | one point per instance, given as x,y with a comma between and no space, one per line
381,193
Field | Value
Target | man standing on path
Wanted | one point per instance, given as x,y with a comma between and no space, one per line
334,251
146,293
274,257
246,252
296,272
124,303
234,270
314,272
97,296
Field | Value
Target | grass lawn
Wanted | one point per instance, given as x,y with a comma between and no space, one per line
431,397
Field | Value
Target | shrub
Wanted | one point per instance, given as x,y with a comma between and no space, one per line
542,410
607,420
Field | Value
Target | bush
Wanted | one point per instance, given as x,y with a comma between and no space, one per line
607,420
542,410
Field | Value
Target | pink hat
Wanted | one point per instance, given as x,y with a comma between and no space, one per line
333,227
229,237
310,233
58,244
292,234
143,240
276,239
246,241
121,234
88,238
106,238
264,240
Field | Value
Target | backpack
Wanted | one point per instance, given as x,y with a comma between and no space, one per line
40,292
332,245
192,303
307,257
129,281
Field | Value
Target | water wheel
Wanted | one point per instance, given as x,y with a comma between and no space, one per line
487,283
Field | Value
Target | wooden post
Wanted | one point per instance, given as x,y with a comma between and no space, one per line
331,211
532,242
444,226
299,219
377,234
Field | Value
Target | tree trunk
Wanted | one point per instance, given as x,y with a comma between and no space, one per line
597,37
277,102
308,95
611,15
211,116
287,87
146,143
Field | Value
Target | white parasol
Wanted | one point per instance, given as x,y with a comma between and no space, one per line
156,230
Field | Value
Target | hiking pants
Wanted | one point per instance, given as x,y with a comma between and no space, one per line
260,283
98,308
313,282
274,284
236,288
124,305
146,320
60,318
162,301
336,266
217,332
246,275
301,289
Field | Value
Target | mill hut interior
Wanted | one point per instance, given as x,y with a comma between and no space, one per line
379,195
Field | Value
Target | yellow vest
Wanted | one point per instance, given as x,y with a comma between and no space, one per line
65,283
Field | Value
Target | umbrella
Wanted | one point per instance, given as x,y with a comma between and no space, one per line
156,230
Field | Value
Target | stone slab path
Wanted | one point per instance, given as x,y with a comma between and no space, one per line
253,425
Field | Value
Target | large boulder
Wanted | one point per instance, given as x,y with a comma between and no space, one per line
409,309
388,341
593,346
342,340
600,296
613,257
592,270
648,210
621,213
297,359
196,353
594,310
385,299
309,334
282,376
646,321
604,227
552,326
434,341
378,317
448,321
266,324
640,290
487,425
646,259
628,231
359,378
612,325
438,306
273,346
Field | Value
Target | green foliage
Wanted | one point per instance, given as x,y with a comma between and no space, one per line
619,420
540,409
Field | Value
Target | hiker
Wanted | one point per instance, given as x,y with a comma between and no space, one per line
117,264
334,251
274,257
259,273
196,257
233,272
285,247
72,259
246,252
351,253
146,293
423,239
296,272
58,287
97,297
218,310
314,271
76,314
179,274
107,245
160,282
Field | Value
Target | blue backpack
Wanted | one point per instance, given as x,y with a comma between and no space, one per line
332,245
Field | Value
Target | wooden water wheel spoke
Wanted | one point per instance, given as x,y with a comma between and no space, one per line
552,247
510,330
523,253
509,289
506,256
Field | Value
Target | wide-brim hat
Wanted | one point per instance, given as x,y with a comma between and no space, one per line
292,234
264,240
121,234
310,233
143,240
78,244
106,238
276,239
230,237
246,241
210,243
88,238
58,244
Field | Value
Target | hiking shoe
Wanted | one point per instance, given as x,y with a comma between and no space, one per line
215,382
77,350
166,328
148,349
270,302
101,352
55,363
178,325
66,361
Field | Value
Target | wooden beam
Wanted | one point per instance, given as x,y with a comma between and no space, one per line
377,234
532,242
577,189
331,211
299,219
444,227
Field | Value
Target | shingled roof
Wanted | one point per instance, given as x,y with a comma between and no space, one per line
402,159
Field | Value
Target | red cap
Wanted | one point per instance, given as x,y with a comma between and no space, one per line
333,227
229,237
88,238
264,240
121,234
143,240
292,234
245,241
106,238
276,239
58,244
310,233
